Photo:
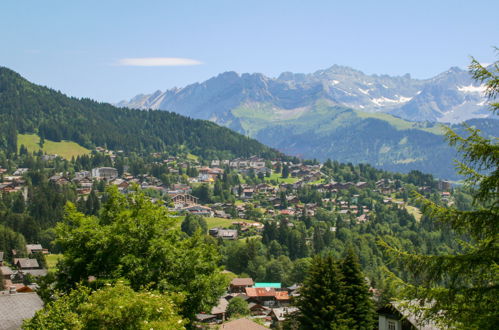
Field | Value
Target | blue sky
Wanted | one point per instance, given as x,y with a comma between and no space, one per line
99,49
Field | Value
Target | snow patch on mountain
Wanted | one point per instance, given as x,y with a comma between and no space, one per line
471,89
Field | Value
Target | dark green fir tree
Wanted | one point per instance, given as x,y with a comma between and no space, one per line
321,296
358,305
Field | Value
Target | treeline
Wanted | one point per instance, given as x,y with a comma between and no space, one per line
28,108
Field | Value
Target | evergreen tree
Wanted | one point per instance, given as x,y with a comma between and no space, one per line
462,290
321,296
358,302
285,172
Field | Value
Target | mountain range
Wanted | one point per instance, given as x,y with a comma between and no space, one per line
450,97
340,113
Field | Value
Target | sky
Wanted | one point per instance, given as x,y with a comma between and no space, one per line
111,50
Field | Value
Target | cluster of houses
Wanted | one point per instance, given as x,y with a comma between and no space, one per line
14,275
12,183
266,301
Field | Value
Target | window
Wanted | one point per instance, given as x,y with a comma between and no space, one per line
392,325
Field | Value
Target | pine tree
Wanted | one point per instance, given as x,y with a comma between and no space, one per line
321,296
461,290
358,302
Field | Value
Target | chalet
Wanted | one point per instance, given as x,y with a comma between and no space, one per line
199,210
83,174
221,214
83,191
34,248
220,309
281,313
184,200
181,188
207,174
394,316
120,183
26,263
256,162
230,234
263,296
6,273
258,310
240,284
1,258
104,173
247,193
83,182
59,179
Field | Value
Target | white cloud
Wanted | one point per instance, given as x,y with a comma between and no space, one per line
157,61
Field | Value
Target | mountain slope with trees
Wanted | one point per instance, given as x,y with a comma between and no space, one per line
29,108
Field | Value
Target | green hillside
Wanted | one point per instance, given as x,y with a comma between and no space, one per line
65,149
27,108
325,130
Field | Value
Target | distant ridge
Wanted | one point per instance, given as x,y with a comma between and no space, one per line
450,97
29,108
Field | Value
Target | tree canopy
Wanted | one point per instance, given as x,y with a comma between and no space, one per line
135,239
111,307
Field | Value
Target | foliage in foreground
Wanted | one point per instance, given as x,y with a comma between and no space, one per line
112,307
462,290
133,238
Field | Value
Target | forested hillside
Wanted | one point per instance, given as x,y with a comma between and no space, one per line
28,108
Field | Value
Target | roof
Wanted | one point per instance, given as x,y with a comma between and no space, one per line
6,270
242,282
242,324
31,247
281,313
391,309
14,308
260,292
27,263
221,307
204,317
282,295
35,272
267,285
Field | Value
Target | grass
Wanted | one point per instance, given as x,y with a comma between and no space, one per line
412,210
401,124
214,222
192,157
65,149
277,177
51,260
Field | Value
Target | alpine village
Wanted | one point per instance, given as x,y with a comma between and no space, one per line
132,216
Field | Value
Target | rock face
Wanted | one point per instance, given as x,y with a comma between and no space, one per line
450,97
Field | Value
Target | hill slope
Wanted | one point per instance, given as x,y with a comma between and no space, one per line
29,108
